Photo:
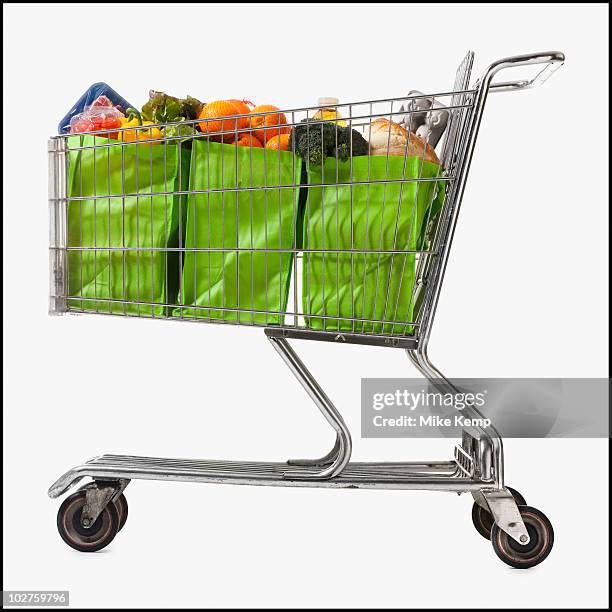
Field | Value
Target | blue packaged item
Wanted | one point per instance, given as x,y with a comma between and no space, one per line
96,90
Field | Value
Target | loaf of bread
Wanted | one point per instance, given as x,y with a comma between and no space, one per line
388,138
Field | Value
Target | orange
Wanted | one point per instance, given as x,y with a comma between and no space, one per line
272,124
223,111
247,140
243,106
280,142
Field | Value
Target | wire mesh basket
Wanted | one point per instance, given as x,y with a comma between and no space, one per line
327,234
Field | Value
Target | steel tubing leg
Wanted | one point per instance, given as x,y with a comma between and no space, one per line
487,435
336,460
326,460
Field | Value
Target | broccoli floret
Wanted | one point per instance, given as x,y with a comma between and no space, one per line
314,141
345,149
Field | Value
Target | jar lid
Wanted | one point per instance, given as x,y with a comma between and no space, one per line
327,101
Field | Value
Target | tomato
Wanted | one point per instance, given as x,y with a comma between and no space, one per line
80,126
109,123
96,122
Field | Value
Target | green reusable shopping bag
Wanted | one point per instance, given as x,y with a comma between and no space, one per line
241,219
358,291
118,239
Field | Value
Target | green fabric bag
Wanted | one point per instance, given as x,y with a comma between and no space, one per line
254,215
369,287
128,223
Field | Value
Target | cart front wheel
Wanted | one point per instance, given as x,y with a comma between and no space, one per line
483,519
122,510
79,537
523,556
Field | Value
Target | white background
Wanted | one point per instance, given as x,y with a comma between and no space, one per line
526,295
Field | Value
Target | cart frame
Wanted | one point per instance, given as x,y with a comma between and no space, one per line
478,463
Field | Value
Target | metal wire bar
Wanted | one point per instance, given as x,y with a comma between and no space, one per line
213,308
261,189
243,249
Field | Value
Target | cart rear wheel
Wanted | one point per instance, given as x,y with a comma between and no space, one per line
523,556
86,539
122,510
483,519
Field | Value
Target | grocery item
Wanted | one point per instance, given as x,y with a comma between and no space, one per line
93,92
162,108
247,140
140,131
99,115
222,114
329,112
179,129
243,106
280,142
429,124
102,101
314,141
389,138
268,125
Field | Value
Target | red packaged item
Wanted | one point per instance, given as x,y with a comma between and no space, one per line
101,101
100,115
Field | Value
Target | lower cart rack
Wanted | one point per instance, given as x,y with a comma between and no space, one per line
311,263
412,475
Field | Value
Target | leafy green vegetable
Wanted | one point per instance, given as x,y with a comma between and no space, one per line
191,107
315,140
162,108
179,129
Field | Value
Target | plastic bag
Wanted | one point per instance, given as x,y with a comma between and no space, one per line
100,115
93,92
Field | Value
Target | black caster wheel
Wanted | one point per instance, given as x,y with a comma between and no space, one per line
86,539
483,519
122,510
523,556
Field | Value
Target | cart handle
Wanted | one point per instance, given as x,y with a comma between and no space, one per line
553,60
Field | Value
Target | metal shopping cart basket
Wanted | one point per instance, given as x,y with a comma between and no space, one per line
315,240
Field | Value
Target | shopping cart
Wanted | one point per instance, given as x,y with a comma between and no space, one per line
329,244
